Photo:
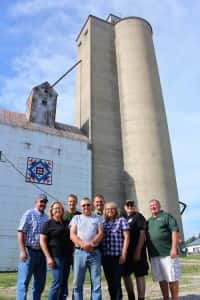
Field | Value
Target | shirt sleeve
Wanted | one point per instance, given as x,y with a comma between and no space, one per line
124,224
173,226
141,222
100,220
74,221
45,228
24,224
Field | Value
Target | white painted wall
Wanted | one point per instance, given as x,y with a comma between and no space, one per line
71,174
193,249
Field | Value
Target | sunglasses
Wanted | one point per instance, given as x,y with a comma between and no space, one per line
86,205
43,201
130,204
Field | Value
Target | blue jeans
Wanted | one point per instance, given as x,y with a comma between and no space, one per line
34,265
59,275
112,270
82,261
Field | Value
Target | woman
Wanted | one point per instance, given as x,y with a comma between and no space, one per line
114,248
55,243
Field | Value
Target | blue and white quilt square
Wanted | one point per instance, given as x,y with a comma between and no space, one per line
39,170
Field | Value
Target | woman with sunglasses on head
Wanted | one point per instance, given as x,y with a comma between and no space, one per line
136,260
55,244
114,248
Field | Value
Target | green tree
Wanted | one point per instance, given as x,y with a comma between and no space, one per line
190,240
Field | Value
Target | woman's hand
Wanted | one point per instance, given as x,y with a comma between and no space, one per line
122,258
23,255
50,262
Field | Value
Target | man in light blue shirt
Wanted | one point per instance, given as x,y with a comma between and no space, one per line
32,260
86,232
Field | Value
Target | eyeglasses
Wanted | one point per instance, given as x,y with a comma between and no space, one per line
58,208
130,204
86,205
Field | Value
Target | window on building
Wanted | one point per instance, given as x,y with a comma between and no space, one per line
1,156
44,102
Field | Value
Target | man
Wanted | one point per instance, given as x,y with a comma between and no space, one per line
32,260
71,208
86,232
136,260
98,203
162,237
71,211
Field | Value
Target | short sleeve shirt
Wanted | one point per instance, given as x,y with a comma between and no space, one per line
113,236
68,216
31,225
86,226
58,241
159,234
136,223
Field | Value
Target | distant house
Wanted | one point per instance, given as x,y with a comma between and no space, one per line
194,247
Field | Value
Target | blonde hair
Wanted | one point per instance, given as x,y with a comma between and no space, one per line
155,200
51,208
111,204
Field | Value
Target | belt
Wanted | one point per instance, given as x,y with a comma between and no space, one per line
95,248
34,249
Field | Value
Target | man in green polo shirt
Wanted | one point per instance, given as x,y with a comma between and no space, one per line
162,241
71,211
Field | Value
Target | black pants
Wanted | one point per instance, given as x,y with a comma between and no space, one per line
112,271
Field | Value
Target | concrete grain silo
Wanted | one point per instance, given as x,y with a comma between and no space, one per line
147,156
97,106
119,105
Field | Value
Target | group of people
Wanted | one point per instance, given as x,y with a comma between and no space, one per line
97,235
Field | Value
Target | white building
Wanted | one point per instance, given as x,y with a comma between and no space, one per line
194,247
57,158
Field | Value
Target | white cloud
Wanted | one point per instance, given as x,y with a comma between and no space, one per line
34,7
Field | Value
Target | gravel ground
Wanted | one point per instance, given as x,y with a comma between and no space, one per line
189,288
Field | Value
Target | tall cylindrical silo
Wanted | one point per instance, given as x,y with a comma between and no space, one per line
148,163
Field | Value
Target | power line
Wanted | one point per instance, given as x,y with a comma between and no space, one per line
22,174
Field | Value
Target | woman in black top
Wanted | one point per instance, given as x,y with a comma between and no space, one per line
55,243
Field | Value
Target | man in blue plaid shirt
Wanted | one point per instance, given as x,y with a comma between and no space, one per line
32,260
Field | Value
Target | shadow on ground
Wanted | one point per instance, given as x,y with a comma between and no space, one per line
186,297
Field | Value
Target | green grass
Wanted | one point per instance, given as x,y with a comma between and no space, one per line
8,284
192,256
190,269
7,298
8,280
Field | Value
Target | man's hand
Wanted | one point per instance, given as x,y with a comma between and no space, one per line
87,246
173,252
23,255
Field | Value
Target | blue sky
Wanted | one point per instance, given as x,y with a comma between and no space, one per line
38,44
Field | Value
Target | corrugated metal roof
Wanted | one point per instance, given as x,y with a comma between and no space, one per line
19,120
